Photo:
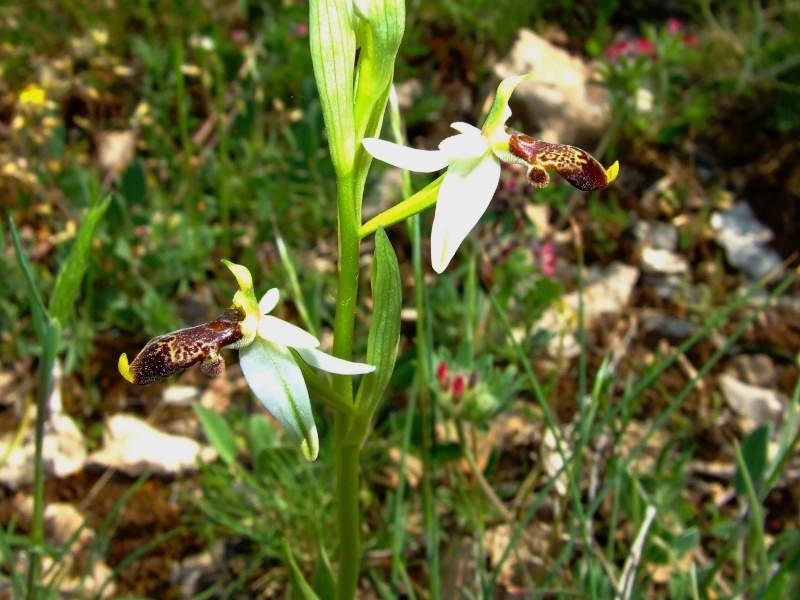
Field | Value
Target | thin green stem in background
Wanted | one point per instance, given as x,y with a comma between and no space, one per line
419,201
181,107
222,154
46,363
426,414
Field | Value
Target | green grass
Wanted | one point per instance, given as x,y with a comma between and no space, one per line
231,162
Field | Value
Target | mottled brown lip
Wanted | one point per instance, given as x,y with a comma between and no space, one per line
575,165
175,352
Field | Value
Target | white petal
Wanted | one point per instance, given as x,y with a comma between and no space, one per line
465,145
422,161
466,192
462,127
331,364
280,332
276,380
269,301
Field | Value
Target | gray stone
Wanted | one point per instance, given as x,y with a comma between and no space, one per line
558,104
744,240
133,447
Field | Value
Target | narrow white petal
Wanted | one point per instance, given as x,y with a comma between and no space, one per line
421,161
280,332
462,127
269,301
331,364
465,145
466,192
276,380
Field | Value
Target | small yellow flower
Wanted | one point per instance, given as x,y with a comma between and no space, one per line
32,95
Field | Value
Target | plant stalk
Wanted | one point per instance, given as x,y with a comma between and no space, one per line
347,456
46,363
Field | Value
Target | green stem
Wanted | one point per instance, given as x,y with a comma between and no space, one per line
223,153
46,363
347,463
347,456
186,143
423,199
425,414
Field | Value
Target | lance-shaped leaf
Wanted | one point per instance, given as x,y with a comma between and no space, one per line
384,335
333,52
71,273
300,586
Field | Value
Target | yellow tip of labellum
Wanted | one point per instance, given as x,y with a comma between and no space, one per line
613,171
124,368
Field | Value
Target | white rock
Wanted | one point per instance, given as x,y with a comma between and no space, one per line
744,239
133,446
180,395
665,271
609,292
663,262
63,449
558,101
656,235
756,405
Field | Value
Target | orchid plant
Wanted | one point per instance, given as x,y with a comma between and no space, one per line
353,47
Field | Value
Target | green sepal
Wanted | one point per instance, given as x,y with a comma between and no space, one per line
384,335
378,36
71,273
423,199
321,391
300,586
333,53
494,126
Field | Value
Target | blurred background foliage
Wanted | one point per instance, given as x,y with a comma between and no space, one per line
209,113
201,121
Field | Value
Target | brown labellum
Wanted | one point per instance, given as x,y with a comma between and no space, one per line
577,166
177,351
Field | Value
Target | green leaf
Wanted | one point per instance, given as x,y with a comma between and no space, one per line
754,451
134,183
72,271
218,432
40,314
299,584
324,579
261,434
260,439
384,335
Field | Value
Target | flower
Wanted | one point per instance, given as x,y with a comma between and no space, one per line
264,344
32,95
472,159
